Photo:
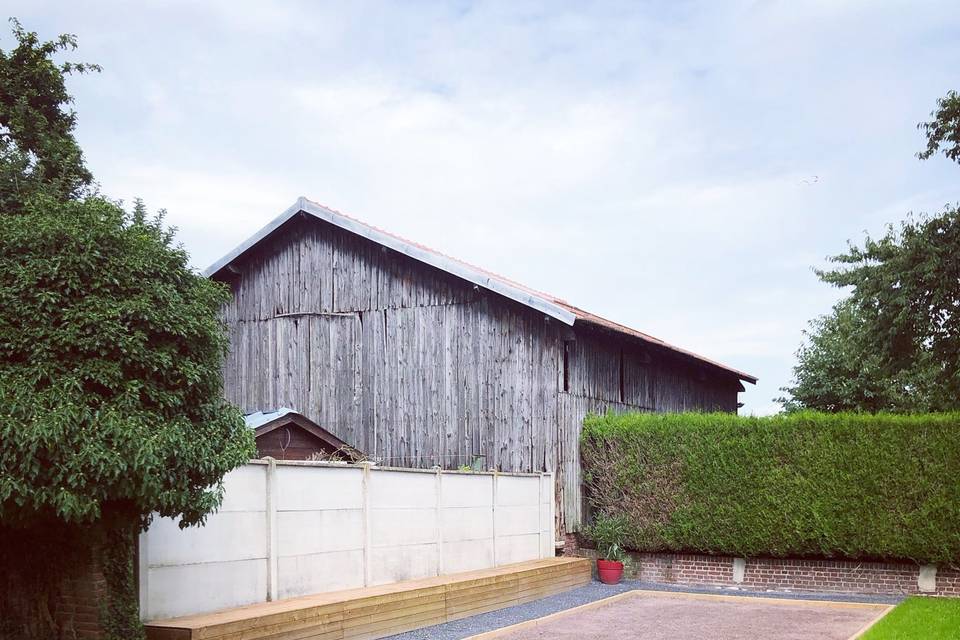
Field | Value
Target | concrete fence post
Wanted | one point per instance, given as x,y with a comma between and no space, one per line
365,511
552,534
273,560
927,579
493,511
438,489
143,574
540,515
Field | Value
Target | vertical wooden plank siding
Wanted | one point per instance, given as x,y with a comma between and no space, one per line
418,368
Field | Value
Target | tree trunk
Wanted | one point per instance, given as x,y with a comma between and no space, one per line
120,614
35,561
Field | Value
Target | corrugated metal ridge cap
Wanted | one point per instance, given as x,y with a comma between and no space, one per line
543,302
260,418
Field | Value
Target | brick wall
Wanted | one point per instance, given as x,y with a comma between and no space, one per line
948,582
831,575
77,609
784,574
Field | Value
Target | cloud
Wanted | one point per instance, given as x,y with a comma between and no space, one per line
644,161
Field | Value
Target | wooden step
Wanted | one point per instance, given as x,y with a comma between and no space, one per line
377,612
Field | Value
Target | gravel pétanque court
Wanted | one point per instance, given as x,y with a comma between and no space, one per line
639,611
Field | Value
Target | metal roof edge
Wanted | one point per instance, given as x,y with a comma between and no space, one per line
247,244
441,262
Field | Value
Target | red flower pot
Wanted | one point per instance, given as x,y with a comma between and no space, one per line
610,571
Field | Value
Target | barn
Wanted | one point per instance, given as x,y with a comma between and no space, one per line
418,359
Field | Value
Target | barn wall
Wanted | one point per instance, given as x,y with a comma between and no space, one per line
418,368
609,374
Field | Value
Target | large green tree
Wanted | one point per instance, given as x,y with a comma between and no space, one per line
111,349
894,343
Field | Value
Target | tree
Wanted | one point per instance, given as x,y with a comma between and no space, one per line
111,349
834,372
37,147
894,343
943,131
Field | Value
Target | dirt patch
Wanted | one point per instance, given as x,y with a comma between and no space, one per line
656,616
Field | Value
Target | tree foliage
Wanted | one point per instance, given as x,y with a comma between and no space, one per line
37,147
943,130
110,379
111,349
894,343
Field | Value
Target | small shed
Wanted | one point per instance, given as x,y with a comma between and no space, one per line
284,434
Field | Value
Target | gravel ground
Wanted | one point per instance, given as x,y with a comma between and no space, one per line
459,629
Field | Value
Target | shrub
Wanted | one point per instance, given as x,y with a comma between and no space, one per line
853,486
608,533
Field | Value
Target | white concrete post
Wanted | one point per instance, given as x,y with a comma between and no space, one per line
273,560
493,510
143,574
438,488
365,510
927,579
739,570
540,515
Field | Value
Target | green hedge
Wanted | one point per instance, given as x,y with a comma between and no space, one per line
806,484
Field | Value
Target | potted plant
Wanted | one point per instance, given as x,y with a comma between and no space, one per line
608,533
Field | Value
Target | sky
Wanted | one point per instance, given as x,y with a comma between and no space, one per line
679,167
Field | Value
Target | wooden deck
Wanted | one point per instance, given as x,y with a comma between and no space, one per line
377,612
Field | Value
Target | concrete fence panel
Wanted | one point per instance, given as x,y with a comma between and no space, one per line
287,529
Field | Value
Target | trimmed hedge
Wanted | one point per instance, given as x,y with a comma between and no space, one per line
853,486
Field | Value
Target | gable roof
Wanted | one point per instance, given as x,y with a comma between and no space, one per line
263,422
542,302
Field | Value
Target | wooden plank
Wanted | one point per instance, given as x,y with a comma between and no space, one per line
288,628
375,612
502,590
332,631
393,626
369,620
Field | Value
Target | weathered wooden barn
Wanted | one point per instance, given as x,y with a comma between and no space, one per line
419,359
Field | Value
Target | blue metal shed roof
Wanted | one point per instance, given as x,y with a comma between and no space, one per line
260,418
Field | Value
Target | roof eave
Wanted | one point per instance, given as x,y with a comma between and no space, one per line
740,375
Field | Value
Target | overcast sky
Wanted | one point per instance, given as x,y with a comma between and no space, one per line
675,166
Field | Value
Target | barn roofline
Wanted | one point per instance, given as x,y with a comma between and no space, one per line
419,253
552,307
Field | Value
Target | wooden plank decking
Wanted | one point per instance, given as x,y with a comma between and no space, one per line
376,612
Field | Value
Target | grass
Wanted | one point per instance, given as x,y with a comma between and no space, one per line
917,617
